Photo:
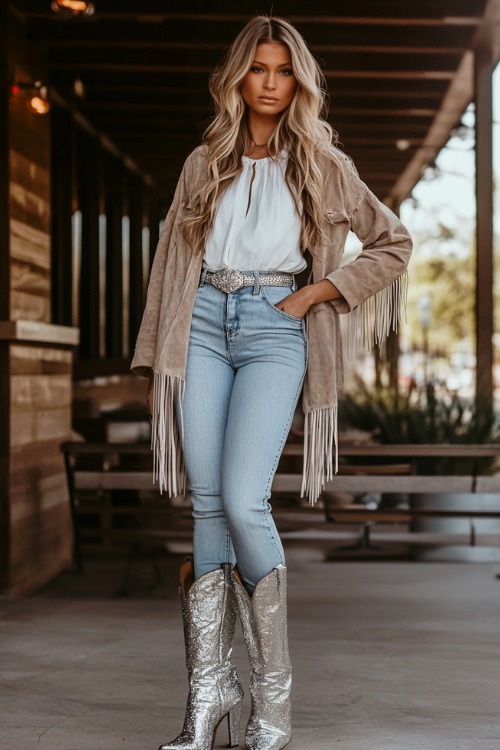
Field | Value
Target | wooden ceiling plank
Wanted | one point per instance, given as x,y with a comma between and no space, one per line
165,59
360,47
299,20
442,75
188,35
387,64
338,111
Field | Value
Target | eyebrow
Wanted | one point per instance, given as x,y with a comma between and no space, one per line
264,65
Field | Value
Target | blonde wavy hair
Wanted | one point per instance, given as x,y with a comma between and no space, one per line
302,130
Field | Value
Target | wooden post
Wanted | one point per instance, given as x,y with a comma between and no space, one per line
4,169
114,256
62,208
4,302
483,70
156,214
89,158
136,285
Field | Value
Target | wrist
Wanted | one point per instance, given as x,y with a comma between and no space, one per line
323,291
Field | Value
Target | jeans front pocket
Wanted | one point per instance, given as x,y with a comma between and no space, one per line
274,294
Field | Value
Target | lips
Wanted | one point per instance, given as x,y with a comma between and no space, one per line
267,99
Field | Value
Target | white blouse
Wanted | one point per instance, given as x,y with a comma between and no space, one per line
257,227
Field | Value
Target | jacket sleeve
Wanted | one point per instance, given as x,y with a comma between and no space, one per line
145,347
386,251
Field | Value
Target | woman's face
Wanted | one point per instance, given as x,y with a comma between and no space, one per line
270,85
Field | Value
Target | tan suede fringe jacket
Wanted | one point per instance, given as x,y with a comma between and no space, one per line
373,288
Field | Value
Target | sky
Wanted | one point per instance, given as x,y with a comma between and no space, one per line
446,196
452,186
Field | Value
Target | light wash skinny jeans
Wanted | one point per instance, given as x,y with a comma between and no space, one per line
245,368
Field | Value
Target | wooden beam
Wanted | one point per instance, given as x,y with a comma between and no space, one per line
134,84
483,96
4,302
459,14
141,106
188,46
156,214
205,70
188,35
89,193
62,168
5,83
115,175
136,277
415,75
141,125
457,97
168,106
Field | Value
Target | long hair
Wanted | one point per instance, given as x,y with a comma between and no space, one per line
301,129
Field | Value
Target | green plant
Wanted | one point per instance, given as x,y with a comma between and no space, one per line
423,415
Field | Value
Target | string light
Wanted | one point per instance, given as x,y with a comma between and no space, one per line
38,102
73,7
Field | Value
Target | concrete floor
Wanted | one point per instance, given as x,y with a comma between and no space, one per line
386,654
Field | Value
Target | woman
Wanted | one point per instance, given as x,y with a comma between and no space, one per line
229,342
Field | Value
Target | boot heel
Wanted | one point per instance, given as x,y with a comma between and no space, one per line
233,723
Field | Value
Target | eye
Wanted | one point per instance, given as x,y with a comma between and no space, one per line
287,72
256,69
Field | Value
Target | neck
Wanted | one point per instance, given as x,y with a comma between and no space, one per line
260,128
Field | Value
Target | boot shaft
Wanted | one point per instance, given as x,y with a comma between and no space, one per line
264,621
209,617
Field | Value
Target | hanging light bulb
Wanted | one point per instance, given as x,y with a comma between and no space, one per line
38,101
73,7
39,104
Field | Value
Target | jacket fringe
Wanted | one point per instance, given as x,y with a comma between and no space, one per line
371,322
320,444
168,463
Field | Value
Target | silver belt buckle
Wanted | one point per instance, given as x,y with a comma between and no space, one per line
227,280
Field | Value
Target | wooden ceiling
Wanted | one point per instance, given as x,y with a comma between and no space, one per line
145,64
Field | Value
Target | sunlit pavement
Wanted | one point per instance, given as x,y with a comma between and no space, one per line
386,654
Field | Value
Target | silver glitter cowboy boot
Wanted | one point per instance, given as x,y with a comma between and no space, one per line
264,620
209,615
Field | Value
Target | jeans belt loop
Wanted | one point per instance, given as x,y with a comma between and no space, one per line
256,286
203,277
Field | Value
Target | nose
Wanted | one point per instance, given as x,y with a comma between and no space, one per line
270,82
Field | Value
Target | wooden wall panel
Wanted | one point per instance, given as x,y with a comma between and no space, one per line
35,380
32,360
53,489
29,307
40,411
40,547
27,463
26,277
29,244
29,136
29,208
4,301
21,167
30,248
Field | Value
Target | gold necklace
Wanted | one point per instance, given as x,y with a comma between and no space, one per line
255,146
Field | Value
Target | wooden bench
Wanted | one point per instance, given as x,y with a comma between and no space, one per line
95,473
110,474
401,478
